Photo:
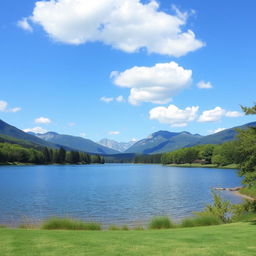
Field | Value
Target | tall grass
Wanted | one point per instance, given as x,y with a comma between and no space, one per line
114,227
249,191
70,224
161,223
201,221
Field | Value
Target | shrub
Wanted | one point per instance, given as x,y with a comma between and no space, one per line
201,221
70,224
114,227
220,208
161,223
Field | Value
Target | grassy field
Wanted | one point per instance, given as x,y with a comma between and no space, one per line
230,239
230,166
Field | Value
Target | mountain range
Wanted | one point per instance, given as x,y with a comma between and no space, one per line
119,146
158,142
77,143
164,141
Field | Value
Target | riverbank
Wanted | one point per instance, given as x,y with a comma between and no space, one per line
230,166
229,239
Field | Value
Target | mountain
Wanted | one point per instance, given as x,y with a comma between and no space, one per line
119,146
223,136
163,141
77,143
11,131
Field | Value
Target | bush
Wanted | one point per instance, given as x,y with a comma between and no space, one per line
161,223
222,209
201,221
114,227
70,224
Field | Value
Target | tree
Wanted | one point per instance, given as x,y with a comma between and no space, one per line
247,151
62,155
47,155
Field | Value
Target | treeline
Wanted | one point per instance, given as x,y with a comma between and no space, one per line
11,153
220,155
148,159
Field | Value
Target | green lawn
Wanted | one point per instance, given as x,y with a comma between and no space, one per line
230,166
230,239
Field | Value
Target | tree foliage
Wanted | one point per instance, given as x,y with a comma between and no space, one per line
10,153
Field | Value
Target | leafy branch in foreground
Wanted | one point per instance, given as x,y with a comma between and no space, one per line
220,208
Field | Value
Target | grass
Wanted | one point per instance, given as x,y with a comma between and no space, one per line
237,239
201,221
114,227
161,223
230,166
248,191
70,224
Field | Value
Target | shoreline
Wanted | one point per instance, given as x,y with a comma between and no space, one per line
237,193
231,166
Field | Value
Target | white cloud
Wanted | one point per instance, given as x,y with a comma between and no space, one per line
128,25
234,114
111,99
43,120
4,107
113,132
134,140
204,85
36,130
82,134
216,114
71,124
216,130
24,24
212,115
120,99
173,115
106,99
155,84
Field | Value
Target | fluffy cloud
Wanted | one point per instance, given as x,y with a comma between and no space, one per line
36,130
110,99
113,132
24,24
128,25
216,130
216,114
120,99
204,85
234,114
106,99
4,107
155,84
212,115
43,120
173,115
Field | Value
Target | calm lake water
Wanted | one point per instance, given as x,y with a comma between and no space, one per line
110,194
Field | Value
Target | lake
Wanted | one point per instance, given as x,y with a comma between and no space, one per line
110,193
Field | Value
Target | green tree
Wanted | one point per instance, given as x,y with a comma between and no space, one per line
247,151
62,155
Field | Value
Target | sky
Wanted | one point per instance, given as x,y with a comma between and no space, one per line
123,69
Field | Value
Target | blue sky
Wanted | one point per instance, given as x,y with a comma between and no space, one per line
57,64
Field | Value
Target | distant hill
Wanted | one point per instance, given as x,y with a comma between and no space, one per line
119,146
223,136
164,141
77,143
11,131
